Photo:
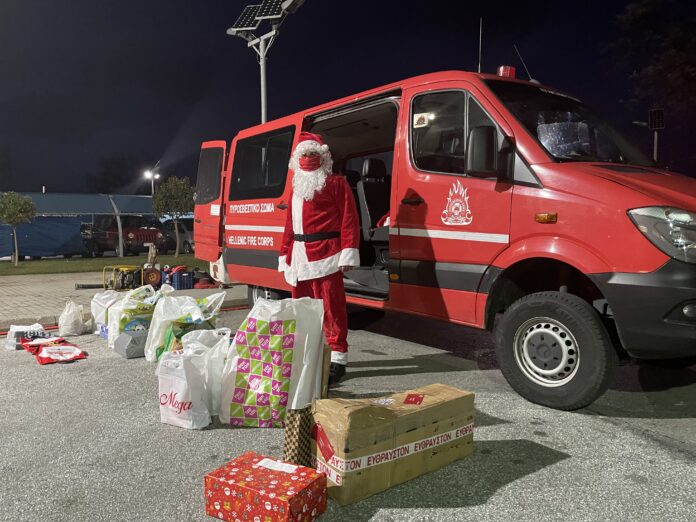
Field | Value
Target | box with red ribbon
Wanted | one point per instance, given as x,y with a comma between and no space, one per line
257,488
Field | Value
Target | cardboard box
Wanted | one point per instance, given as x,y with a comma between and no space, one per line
369,445
253,487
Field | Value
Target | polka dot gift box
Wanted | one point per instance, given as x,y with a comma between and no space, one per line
254,488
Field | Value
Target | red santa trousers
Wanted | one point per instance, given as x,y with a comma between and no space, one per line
330,289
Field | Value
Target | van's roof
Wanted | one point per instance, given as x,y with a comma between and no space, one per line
406,83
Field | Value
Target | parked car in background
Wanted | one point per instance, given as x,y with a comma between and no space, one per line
186,243
138,232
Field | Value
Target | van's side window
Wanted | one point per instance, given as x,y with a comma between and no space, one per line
261,165
208,177
438,132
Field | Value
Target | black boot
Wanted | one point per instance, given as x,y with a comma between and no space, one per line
336,373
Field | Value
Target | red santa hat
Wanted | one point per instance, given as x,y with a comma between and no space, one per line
311,143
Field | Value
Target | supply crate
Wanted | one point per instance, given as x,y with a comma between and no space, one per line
182,280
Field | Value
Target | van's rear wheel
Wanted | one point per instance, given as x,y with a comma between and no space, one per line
554,350
256,292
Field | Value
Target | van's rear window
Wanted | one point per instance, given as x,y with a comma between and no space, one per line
209,172
261,165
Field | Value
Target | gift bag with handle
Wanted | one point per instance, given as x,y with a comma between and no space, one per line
182,394
275,363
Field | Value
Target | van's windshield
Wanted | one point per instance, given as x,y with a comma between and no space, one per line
566,127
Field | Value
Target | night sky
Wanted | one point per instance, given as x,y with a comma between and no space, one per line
89,80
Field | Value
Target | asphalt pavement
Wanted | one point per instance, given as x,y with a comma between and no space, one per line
83,441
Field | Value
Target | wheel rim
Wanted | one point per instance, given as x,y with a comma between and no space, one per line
546,351
260,292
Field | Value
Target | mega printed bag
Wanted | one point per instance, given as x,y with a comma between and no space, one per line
275,363
134,312
17,332
215,344
189,313
182,395
101,302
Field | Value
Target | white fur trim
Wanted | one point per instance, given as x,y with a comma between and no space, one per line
339,357
349,257
282,265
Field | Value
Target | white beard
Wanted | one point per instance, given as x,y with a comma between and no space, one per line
306,184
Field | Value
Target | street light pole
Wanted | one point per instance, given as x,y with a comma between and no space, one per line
262,65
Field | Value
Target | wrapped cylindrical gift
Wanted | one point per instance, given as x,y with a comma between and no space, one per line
297,447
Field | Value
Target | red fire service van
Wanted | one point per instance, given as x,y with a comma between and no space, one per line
489,202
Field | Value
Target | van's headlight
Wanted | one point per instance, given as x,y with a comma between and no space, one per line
672,230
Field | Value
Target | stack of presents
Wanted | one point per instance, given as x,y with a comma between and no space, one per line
272,372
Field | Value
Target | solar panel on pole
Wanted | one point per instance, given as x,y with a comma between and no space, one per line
247,21
656,119
269,10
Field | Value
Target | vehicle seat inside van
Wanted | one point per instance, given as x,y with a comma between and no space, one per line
374,189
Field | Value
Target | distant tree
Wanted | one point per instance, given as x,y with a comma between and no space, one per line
174,198
656,45
14,210
120,175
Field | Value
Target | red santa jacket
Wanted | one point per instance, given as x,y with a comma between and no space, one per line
332,209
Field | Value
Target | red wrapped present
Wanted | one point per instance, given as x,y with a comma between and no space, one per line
254,488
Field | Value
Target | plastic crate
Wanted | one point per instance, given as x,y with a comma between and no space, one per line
182,280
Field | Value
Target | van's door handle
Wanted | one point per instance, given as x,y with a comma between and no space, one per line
412,201
197,220
281,206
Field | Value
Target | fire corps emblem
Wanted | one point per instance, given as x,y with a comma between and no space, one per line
457,211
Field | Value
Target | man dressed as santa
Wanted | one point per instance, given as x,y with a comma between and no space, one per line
321,239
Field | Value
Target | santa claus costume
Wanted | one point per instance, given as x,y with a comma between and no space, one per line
321,240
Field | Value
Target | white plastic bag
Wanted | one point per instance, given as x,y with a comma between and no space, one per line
182,395
275,363
216,345
181,309
134,311
70,322
16,332
101,302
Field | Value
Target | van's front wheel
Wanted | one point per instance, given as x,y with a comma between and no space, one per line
554,350
256,292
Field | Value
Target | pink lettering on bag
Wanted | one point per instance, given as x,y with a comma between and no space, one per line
287,369
255,352
289,341
243,365
169,399
238,396
267,369
276,327
254,382
265,342
251,325
275,415
265,424
283,398
240,338
275,387
277,358
250,412
236,422
262,399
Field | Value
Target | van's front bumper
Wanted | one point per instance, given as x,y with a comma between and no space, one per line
649,310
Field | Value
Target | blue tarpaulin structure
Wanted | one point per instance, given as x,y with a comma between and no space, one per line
56,228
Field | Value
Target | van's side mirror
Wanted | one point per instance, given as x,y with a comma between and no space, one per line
482,149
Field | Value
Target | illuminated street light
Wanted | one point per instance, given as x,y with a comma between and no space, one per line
152,176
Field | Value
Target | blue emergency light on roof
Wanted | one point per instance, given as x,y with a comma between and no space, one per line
506,71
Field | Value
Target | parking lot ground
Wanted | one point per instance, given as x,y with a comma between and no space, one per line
40,298
83,441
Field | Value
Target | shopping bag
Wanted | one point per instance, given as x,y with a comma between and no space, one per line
17,332
134,312
101,302
216,345
184,310
70,322
275,363
182,396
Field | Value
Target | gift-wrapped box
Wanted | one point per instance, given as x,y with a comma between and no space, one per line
253,487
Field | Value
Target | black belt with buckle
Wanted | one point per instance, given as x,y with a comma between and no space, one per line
319,236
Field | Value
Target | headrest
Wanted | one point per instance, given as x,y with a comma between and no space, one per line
374,168
352,176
